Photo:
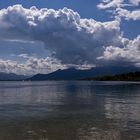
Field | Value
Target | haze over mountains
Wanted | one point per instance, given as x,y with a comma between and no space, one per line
11,77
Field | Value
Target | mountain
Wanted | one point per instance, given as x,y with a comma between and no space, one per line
76,74
67,74
11,77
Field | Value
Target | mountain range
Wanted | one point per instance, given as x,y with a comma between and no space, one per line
76,74
12,77
70,74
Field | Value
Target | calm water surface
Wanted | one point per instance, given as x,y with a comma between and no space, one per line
69,110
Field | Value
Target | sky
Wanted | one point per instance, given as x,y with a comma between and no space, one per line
41,36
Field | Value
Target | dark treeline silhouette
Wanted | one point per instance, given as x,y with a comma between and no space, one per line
132,76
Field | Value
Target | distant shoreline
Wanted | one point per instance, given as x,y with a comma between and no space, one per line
131,76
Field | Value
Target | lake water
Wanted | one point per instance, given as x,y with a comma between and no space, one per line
69,110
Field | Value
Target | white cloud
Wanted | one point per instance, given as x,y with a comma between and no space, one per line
119,8
105,4
69,38
34,65
31,66
130,54
134,2
128,15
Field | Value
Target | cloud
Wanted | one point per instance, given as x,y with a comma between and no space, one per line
105,4
128,15
128,55
31,66
120,8
69,38
134,2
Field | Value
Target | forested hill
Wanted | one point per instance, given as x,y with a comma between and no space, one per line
132,76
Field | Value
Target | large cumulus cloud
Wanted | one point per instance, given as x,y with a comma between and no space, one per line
70,40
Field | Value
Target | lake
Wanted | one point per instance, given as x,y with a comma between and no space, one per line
69,110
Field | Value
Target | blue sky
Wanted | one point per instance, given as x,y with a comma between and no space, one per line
17,50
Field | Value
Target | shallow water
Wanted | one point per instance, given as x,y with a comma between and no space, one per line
69,110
